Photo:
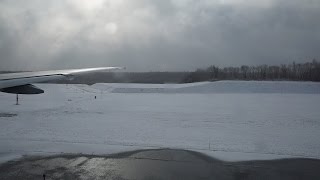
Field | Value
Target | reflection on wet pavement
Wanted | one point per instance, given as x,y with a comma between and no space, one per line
156,164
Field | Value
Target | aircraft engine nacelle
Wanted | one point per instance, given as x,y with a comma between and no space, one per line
24,89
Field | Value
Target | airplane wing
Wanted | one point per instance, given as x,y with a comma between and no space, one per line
20,83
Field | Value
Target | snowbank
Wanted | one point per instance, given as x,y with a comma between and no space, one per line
216,87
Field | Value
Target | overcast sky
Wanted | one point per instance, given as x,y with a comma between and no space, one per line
163,35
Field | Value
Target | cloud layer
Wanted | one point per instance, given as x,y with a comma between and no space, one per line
163,35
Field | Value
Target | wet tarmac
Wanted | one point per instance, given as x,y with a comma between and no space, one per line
156,164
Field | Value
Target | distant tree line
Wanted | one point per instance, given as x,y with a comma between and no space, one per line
309,71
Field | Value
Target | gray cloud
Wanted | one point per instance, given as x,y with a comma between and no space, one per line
161,35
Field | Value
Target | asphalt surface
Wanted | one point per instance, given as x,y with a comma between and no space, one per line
156,164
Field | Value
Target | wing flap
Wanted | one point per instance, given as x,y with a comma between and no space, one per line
28,80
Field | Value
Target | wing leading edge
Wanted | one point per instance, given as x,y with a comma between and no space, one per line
20,83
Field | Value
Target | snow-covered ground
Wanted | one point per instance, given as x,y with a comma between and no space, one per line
230,120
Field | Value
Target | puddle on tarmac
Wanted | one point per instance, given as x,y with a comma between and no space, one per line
7,115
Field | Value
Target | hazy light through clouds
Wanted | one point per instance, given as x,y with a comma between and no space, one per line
163,35
261,3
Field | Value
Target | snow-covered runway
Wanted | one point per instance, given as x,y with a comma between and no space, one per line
260,123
